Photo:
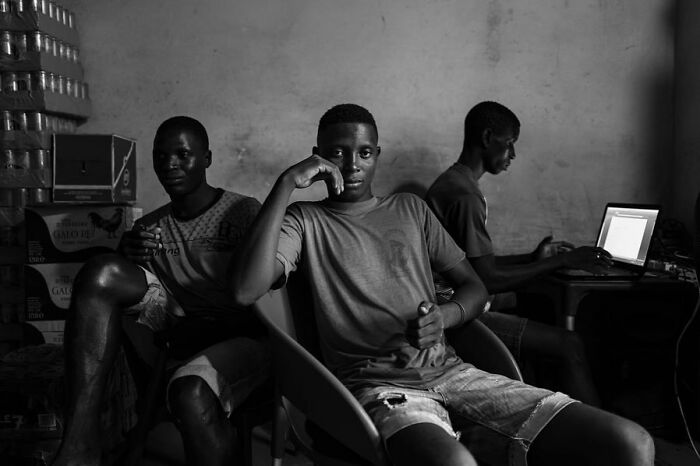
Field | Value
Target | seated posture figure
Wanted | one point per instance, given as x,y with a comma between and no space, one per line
490,133
171,270
369,261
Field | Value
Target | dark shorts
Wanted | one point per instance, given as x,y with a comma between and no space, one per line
232,368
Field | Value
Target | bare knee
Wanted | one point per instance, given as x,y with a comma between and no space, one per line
631,444
429,445
193,403
109,277
455,457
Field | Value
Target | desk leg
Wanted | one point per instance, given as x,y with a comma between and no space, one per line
572,300
569,322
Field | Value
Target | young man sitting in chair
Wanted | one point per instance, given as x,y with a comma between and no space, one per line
369,262
170,271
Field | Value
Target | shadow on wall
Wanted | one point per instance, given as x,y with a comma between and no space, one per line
412,187
658,152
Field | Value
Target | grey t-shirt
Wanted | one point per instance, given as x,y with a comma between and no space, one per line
193,264
369,266
459,204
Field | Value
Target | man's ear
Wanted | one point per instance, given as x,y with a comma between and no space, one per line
379,150
314,150
486,136
207,157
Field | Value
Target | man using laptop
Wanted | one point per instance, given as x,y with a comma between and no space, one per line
490,133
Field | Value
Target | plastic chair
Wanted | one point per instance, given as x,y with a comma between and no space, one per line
324,419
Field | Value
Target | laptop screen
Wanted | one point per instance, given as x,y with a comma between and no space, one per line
626,232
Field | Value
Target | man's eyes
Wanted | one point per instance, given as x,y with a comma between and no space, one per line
163,155
365,153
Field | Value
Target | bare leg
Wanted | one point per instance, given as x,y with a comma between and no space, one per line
584,435
207,434
428,445
103,288
566,348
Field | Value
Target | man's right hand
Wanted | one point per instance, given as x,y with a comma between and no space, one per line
589,258
139,245
548,248
313,169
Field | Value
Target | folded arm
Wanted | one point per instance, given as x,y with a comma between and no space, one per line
256,268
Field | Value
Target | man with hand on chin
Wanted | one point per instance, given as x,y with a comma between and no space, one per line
369,261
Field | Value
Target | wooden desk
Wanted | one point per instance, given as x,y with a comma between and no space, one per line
567,293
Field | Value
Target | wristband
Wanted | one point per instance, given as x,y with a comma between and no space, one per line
462,312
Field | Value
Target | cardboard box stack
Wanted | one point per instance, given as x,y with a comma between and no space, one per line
42,92
63,198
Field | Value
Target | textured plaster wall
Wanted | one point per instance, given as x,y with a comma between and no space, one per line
590,79
687,123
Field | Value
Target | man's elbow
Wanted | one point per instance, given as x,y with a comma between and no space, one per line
483,292
245,296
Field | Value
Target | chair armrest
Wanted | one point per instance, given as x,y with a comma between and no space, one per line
313,391
476,344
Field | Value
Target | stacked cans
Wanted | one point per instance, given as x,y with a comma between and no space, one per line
40,60
17,45
45,81
41,82
48,8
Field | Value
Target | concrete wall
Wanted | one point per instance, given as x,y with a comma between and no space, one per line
686,174
590,79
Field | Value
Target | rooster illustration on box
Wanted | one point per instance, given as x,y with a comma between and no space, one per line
111,224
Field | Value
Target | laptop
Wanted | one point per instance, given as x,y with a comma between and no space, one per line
626,231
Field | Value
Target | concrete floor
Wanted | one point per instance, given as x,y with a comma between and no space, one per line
170,453
167,449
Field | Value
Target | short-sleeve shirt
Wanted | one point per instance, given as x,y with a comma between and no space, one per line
369,265
194,263
459,204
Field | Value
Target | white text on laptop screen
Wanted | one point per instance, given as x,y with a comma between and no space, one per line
626,233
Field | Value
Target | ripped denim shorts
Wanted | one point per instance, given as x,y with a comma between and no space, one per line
495,417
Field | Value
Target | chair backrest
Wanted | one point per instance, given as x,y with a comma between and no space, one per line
311,392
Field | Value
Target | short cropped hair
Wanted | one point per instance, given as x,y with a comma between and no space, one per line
178,123
346,113
488,115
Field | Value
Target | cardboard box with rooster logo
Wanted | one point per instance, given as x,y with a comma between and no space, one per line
48,289
75,233
94,168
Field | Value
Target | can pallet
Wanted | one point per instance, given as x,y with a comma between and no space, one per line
18,81
16,44
20,197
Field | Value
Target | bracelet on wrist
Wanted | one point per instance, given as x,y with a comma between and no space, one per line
462,312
